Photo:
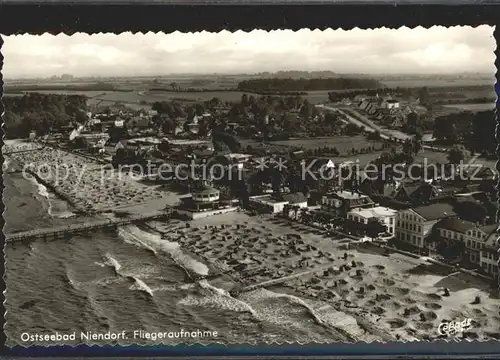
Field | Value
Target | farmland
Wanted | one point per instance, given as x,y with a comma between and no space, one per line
470,107
440,82
344,144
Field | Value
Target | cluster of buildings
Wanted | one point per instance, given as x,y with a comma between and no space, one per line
387,111
421,216
427,228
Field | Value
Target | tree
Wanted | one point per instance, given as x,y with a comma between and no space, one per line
374,227
445,129
244,100
423,95
174,86
471,211
457,154
352,129
286,210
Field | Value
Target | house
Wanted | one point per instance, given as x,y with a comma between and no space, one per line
341,202
379,186
360,97
346,101
414,225
274,204
372,108
489,255
139,122
416,193
385,215
473,236
390,104
365,103
93,122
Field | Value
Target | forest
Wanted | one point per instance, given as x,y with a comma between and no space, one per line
279,85
41,113
475,130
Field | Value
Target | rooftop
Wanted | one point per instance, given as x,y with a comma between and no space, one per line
348,195
295,198
377,211
457,225
206,190
435,211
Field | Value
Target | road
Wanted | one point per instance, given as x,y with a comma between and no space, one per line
362,121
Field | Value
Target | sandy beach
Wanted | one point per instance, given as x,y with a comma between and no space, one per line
391,297
85,183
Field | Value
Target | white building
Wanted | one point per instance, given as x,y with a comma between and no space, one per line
342,202
390,104
472,235
274,205
414,225
385,215
488,256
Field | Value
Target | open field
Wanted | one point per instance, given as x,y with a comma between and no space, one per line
342,143
431,157
437,82
471,107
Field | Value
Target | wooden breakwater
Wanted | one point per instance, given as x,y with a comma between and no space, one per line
68,230
59,194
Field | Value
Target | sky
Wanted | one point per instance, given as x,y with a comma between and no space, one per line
438,50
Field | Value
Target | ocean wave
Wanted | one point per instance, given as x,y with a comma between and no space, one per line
290,299
52,210
129,238
209,295
111,261
141,285
155,243
138,283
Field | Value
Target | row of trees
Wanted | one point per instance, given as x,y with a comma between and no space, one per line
277,84
41,113
475,130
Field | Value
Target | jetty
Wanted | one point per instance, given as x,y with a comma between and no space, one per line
285,278
68,230
22,151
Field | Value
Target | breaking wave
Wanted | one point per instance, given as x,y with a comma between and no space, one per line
113,263
138,283
141,285
52,210
132,234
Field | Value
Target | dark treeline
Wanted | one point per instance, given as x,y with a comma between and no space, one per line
475,130
481,100
99,86
189,90
41,113
200,90
423,93
283,85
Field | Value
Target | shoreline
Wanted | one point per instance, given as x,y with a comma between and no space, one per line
86,186
403,299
